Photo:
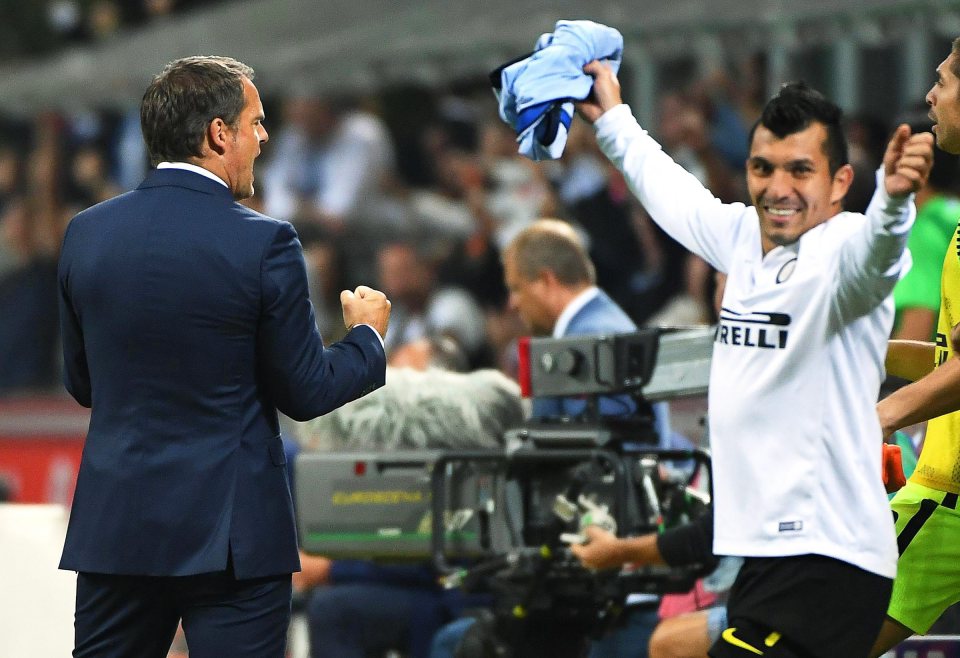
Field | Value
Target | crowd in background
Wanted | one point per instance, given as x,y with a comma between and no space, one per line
35,28
411,190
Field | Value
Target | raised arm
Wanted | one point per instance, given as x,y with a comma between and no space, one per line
873,263
305,378
672,196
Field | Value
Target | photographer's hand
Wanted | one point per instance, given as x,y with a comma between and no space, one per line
603,550
314,571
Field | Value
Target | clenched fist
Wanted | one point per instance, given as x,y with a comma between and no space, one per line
366,306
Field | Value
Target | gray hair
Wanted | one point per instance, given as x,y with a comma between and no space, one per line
551,244
433,409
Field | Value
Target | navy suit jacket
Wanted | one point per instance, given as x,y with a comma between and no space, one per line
600,315
186,326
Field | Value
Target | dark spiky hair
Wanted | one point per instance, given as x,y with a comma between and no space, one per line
795,108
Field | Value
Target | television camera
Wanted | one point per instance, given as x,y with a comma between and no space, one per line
499,520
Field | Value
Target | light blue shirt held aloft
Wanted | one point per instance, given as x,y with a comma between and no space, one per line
536,94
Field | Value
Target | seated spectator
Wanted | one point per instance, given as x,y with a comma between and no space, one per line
407,273
32,220
330,171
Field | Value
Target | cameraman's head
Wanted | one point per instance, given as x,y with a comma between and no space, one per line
545,266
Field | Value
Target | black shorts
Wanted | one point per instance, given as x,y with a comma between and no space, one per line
804,606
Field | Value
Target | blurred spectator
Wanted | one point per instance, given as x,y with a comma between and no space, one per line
65,19
36,28
329,167
28,305
103,20
32,221
866,139
406,272
331,173
406,275
684,131
456,212
88,180
153,10
130,153
624,245
685,134
327,277
455,208
724,107
519,191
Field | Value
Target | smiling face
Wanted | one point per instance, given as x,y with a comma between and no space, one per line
944,101
245,138
791,185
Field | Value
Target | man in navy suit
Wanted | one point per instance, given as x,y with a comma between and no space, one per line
186,326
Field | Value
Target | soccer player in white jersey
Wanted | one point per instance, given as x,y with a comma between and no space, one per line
797,363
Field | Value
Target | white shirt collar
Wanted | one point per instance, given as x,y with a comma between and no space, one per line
194,168
571,309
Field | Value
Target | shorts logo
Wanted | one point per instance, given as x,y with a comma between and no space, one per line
791,526
728,636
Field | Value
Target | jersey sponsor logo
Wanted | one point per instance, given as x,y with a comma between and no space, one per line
790,526
729,636
760,329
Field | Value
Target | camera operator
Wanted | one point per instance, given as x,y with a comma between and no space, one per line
551,283
688,635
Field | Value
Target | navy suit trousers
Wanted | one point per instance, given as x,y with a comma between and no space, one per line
137,616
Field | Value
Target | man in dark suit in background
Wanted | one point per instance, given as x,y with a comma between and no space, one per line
186,326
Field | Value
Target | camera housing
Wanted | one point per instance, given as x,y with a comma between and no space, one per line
588,365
